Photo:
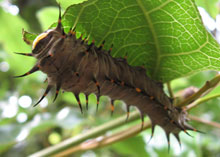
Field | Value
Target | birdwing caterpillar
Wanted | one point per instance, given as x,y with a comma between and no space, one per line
74,65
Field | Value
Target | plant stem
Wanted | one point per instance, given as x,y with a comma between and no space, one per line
170,90
209,85
97,143
201,100
214,124
85,136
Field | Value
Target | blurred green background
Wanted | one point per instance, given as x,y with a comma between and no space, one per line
25,129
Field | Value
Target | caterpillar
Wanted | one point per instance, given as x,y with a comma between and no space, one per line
75,66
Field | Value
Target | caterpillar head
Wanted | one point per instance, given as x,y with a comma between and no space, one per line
45,44
47,38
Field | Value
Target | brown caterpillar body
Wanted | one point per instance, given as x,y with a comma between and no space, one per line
75,66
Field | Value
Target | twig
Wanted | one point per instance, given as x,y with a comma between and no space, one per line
128,132
170,90
200,101
101,142
85,136
209,85
119,136
214,124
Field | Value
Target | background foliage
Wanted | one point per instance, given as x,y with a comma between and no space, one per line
25,130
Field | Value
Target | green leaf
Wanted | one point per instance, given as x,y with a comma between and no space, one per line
211,6
6,147
12,130
131,147
11,40
28,37
166,36
11,34
47,16
66,3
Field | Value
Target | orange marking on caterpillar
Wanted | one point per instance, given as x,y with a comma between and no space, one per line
112,81
51,54
138,90
128,113
79,102
165,107
97,84
112,107
72,32
151,97
184,108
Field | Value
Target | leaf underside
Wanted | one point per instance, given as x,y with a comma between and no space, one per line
166,36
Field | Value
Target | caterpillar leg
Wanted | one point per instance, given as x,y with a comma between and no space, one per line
25,54
58,86
79,103
98,101
45,94
178,138
97,85
34,69
59,27
168,140
110,50
142,121
98,94
112,107
87,100
128,111
152,131
102,45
